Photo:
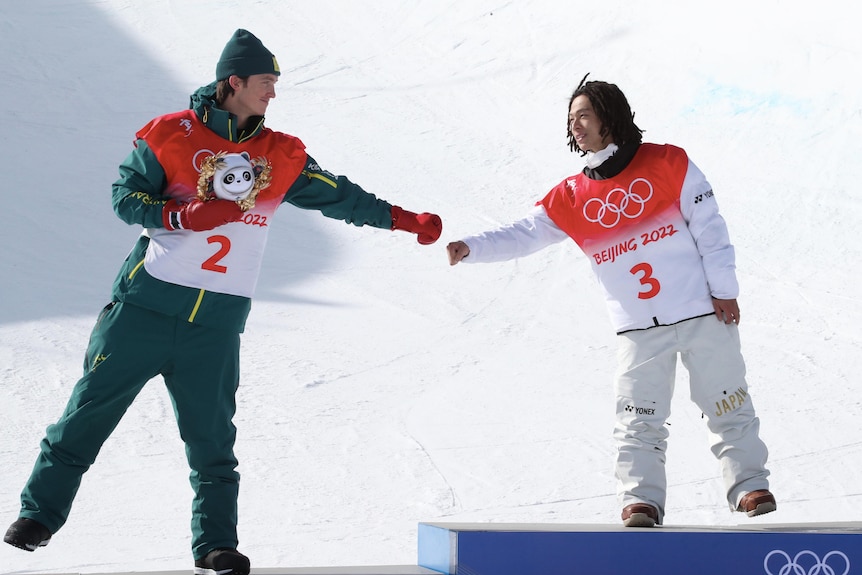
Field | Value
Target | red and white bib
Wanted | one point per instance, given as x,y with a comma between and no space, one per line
228,258
639,244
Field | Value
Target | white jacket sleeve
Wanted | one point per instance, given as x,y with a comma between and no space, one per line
709,230
521,238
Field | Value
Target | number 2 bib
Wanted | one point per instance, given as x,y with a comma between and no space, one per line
228,258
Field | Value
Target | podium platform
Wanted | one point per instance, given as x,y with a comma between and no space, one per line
366,570
362,570
548,549
583,549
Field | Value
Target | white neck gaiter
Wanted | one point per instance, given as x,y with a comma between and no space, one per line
596,159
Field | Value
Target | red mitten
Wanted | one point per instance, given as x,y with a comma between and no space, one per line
200,216
427,227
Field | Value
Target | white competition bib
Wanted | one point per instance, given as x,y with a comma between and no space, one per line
226,259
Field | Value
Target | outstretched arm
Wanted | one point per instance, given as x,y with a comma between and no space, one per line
339,198
521,238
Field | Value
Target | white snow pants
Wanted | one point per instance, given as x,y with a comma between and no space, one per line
710,351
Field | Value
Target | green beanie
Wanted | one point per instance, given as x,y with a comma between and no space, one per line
245,55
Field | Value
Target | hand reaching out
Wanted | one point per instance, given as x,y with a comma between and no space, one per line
457,252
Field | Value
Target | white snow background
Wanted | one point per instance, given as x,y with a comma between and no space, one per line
380,386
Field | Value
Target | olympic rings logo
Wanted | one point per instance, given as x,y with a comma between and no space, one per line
808,563
196,162
619,203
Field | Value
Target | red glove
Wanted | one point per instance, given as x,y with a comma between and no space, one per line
427,227
200,216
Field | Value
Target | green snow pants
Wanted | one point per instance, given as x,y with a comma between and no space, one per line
129,346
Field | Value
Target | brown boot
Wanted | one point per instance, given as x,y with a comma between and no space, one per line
640,515
757,503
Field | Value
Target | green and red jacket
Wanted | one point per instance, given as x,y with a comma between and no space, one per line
155,172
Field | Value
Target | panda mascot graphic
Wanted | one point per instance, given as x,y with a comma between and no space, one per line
233,177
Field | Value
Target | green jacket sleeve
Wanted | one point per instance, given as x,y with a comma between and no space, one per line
338,198
138,196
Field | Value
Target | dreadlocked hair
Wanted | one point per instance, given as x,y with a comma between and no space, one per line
613,112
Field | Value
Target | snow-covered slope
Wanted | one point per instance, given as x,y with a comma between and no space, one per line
380,386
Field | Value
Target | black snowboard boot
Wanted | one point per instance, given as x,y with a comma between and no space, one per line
27,534
223,562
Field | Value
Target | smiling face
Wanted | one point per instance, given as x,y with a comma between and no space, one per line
251,96
586,127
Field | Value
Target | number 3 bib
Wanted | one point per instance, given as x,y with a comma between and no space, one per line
638,242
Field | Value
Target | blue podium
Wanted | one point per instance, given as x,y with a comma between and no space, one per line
548,549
